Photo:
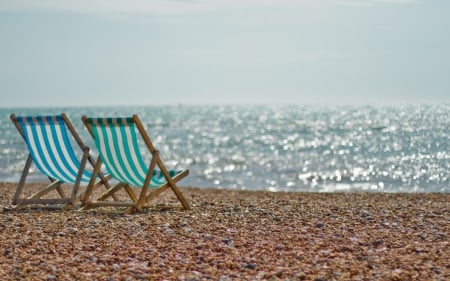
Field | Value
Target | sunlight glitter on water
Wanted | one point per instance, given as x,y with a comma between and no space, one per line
327,149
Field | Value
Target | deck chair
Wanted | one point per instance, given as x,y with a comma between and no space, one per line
51,151
117,142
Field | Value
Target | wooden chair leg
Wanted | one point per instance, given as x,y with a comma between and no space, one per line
23,177
172,184
60,191
142,196
91,184
131,193
77,183
180,197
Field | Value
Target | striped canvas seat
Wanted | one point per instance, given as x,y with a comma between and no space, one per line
50,148
51,151
117,142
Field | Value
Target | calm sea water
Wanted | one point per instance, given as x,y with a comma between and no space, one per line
298,148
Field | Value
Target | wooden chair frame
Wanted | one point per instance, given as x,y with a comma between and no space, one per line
141,200
65,201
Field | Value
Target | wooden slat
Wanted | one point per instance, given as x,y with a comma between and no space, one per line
110,204
43,201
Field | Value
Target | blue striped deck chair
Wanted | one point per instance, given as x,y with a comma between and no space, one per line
51,151
116,140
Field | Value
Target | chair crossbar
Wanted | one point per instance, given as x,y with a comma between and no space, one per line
43,201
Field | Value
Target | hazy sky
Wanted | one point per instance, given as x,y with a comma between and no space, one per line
128,52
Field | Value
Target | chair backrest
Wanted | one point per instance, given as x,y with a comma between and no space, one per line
117,142
50,147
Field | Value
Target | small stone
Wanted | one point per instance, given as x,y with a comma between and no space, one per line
250,265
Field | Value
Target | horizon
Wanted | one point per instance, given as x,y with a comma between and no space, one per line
300,105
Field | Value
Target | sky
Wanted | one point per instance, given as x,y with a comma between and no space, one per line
163,52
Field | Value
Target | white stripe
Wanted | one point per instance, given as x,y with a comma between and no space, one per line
64,151
122,140
54,167
75,166
102,149
48,159
34,148
108,161
158,178
135,153
114,155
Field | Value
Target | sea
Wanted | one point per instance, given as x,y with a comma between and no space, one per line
307,148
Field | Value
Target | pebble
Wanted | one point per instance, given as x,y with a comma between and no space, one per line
233,235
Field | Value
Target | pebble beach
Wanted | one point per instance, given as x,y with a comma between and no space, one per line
233,235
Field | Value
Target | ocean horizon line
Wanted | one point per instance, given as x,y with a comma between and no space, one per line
219,104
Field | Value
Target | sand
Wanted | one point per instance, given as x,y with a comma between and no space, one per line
233,235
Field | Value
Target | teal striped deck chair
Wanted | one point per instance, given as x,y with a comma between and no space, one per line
51,151
116,140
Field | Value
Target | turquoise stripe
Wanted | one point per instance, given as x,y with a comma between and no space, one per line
130,166
128,156
158,178
140,164
120,159
119,169
107,155
98,141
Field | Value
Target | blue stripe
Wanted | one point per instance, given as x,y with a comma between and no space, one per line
68,148
69,151
34,156
53,157
52,145
40,153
